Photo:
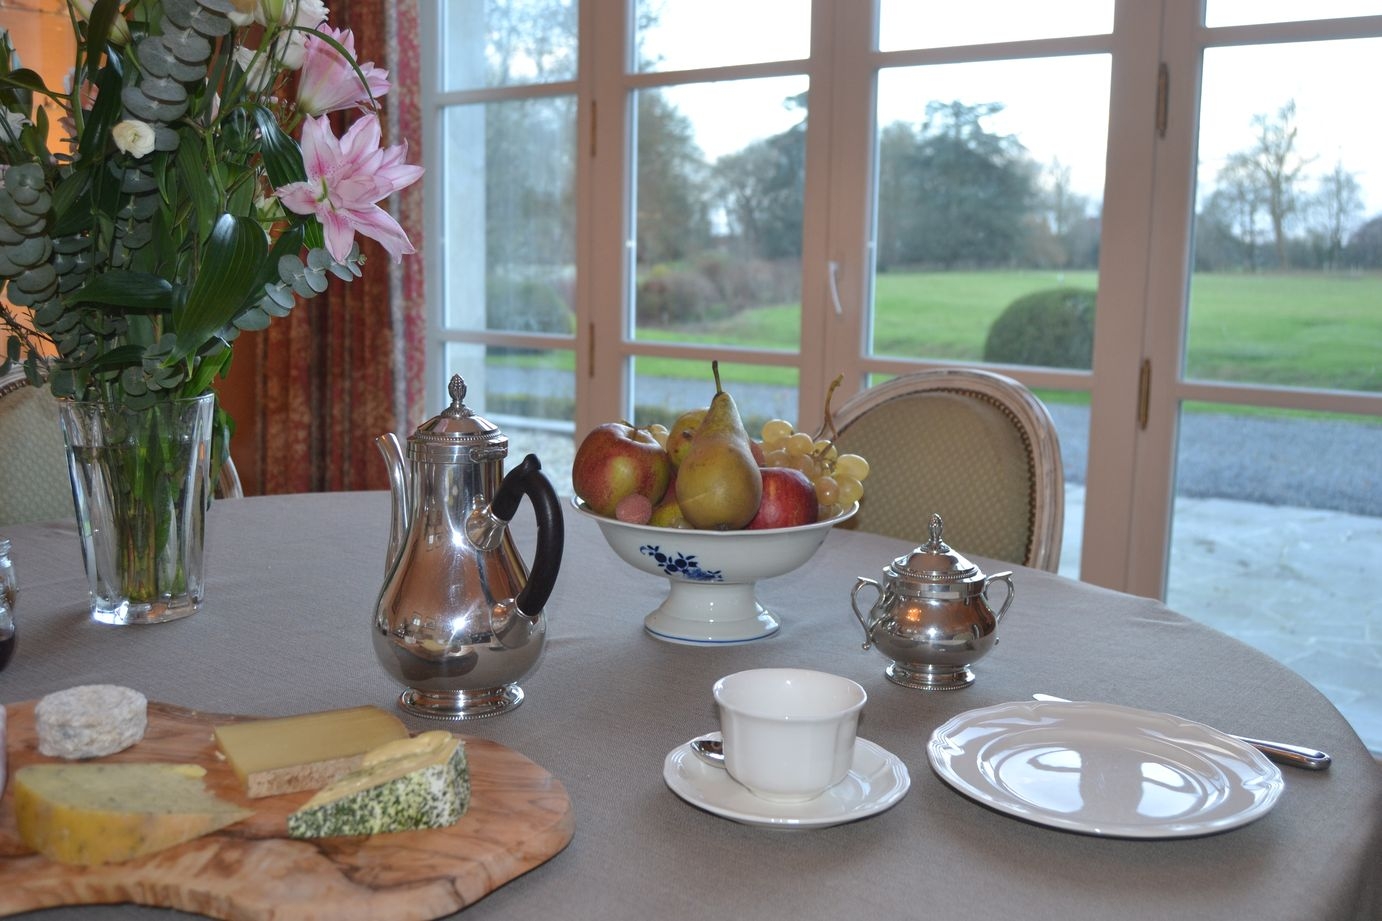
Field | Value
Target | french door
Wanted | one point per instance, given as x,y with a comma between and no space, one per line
809,189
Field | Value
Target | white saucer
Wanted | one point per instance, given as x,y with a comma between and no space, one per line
877,780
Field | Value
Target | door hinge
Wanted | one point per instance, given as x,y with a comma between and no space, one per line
590,350
1144,393
594,113
1163,101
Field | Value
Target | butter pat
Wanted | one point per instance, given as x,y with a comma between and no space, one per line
104,813
405,785
304,752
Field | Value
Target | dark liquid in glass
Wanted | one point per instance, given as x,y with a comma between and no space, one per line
6,648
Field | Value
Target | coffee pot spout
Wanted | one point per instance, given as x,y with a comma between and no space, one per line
392,451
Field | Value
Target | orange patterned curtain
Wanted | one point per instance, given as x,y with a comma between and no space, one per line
347,365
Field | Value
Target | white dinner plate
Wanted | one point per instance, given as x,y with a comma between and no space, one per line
877,780
1102,769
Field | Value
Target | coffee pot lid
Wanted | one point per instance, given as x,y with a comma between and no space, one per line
934,561
458,425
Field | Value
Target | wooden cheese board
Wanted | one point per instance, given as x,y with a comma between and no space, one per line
519,817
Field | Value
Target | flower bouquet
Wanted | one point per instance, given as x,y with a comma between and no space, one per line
200,190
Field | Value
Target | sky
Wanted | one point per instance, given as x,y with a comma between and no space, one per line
1056,106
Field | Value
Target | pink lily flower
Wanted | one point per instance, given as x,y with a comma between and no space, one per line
345,180
328,83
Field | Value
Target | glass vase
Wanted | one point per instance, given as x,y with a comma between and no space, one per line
140,487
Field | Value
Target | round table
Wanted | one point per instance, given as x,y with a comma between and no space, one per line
285,629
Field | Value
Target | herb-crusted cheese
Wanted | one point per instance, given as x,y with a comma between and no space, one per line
416,783
90,721
97,813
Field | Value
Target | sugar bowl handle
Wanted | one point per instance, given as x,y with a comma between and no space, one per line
854,603
1007,578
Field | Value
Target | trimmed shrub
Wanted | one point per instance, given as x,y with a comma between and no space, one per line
1052,328
671,295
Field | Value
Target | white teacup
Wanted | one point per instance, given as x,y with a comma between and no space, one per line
788,732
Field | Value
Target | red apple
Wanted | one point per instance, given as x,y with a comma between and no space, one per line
789,499
616,460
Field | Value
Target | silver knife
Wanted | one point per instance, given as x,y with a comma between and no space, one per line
1295,755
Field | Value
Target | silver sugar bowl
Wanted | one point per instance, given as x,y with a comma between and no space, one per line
932,616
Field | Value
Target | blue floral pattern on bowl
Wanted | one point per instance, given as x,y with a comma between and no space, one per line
675,563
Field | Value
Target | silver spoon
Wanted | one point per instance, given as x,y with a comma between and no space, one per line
709,749
1296,755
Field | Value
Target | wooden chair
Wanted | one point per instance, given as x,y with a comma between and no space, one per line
34,482
975,447
34,485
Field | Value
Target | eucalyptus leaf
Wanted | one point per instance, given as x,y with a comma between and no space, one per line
253,320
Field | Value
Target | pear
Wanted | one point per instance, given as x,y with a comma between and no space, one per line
718,483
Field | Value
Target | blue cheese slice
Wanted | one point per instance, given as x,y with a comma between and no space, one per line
90,721
409,784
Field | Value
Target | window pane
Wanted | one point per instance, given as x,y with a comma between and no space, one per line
529,394
1246,12
720,181
1287,288
1282,551
487,43
509,216
664,388
940,23
685,34
989,193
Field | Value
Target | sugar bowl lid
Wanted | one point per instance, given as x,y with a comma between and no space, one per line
458,430
934,562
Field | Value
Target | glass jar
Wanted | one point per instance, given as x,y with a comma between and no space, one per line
9,593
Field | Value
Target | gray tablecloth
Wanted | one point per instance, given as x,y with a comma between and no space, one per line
292,579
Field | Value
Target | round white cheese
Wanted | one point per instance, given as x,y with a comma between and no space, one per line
90,721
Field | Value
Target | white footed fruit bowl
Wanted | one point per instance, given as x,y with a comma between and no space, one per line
712,574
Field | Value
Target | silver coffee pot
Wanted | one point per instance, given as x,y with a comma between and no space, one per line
460,619
932,616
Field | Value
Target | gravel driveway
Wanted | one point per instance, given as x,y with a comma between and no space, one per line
1308,463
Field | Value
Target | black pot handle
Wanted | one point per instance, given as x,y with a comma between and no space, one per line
528,479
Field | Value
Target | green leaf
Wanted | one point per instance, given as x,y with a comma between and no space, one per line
104,113
282,157
98,25
136,291
206,371
197,182
25,79
72,204
232,254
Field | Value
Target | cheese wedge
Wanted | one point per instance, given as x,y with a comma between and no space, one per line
304,752
411,784
105,813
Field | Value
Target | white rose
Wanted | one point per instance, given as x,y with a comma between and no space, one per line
133,137
291,49
258,74
306,13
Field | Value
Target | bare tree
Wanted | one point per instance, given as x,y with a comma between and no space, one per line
1276,165
1238,201
1338,204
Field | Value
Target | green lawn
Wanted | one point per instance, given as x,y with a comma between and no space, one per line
1306,329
